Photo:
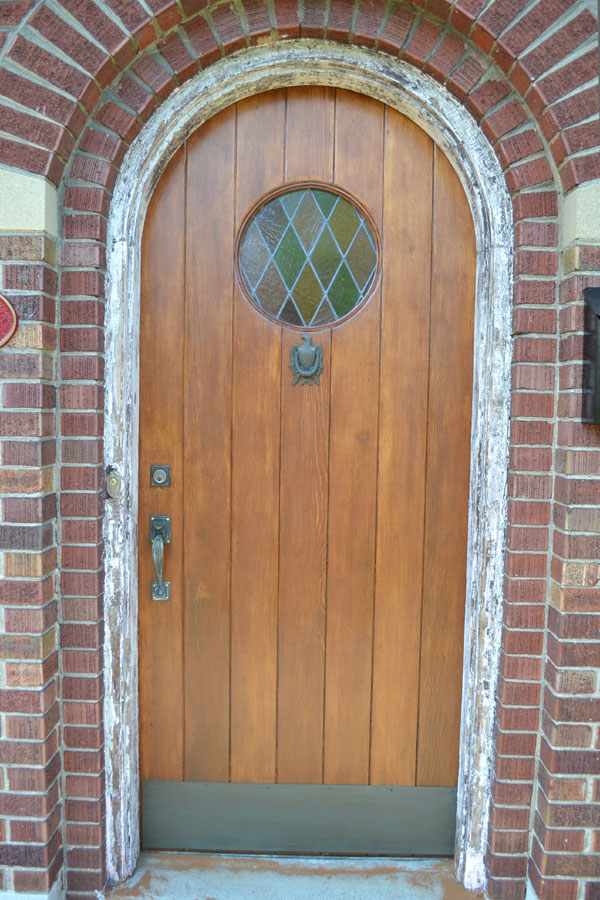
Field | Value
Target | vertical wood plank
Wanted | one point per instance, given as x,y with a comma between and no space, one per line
310,134
403,424
448,457
255,470
207,446
353,472
303,500
161,418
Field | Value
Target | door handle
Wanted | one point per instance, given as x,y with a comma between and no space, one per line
160,534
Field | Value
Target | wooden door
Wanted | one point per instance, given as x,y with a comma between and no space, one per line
310,656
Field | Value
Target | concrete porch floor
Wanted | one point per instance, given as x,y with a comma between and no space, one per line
195,876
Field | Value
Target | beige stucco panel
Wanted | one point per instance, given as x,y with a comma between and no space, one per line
582,215
27,203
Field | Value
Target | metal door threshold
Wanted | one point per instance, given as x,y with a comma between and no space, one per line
197,876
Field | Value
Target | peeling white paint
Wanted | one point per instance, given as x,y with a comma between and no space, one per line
422,99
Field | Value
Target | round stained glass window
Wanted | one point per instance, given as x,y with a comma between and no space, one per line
308,256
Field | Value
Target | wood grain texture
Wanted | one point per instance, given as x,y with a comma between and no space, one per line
448,454
161,429
255,471
402,433
303,490
207,446
316,635
310,126
353,474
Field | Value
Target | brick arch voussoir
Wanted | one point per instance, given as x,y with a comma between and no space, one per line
143,57
521,142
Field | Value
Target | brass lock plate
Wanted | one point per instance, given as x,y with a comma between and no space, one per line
160,525
160,476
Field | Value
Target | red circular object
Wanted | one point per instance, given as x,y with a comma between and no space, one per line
8,321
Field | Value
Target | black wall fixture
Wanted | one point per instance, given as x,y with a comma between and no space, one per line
590,396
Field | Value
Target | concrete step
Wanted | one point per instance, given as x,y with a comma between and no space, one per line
197,876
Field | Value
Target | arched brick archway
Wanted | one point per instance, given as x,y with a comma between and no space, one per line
77,82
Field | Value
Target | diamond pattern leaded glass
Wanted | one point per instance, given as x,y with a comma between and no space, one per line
308,257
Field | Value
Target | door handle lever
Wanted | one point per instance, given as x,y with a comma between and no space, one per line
160,534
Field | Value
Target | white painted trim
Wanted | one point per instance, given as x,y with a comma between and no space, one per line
29,203
441,115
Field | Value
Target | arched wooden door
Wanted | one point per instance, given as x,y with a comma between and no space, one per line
300,690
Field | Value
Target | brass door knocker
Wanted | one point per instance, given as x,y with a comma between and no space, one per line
307,361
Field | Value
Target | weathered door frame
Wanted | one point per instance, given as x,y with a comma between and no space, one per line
432,107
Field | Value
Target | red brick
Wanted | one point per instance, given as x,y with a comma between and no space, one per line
96,22
422,42
37,59
534,378
529,174
82,505
178,56
30,621
38,396
81,339
509,819
522,643
81,531
534,321
509,794
446,56
573,654
228,27
82,662
396,29
31,94
38,131
525,565
566,79
82,368
202,40
77,451
82,584
82,424
87,713
370,16
562,42
509,116
82,609
575,108
152,73
530,459
29,453
500,14
464,78
68,39
536,262
83,786
533,24
30,278
81,558
27,424
32,701
85,199
530,349
81,636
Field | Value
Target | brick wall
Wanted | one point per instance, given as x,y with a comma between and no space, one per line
78,79
565,853
30,752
